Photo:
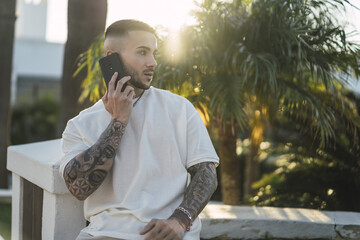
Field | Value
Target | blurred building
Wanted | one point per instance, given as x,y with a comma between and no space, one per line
37,63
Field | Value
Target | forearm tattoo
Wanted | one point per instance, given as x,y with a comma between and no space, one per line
85,173
203,184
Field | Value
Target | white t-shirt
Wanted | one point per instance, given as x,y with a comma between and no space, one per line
165,136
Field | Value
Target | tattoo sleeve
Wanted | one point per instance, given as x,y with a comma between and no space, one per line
85,173
203,184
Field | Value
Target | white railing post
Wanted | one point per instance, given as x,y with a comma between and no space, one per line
16,207
62,214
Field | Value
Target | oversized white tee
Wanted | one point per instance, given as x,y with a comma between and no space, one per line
165,136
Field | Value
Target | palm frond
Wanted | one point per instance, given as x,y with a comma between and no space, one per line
93,85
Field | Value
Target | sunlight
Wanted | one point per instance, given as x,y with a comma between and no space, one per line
35,2
169,14
293,214
161,14
173,46
56,22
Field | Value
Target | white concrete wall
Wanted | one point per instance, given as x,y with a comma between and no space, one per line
63,215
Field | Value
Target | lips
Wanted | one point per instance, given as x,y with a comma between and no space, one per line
149,74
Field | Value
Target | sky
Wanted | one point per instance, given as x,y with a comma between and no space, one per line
168,13
352,16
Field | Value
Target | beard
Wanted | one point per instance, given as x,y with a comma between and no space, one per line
135,77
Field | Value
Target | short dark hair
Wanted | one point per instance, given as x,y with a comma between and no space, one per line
122,27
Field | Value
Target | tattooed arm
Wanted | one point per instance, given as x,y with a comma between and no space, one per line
203,184
85,173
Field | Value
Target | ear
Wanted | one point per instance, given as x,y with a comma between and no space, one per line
109,52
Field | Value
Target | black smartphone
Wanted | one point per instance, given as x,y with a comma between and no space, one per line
109,65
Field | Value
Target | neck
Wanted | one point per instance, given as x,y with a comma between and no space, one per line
138,92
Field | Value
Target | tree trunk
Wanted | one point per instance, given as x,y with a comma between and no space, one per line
7,27
229,166
252,170
86,20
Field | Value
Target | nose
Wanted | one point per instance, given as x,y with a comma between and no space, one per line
152,62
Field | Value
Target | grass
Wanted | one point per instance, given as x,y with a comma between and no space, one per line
5,220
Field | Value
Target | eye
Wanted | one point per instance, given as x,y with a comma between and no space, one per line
143,52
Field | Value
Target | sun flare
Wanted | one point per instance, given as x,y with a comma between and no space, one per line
171,14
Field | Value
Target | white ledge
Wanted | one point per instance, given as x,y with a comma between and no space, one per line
244,222
39,164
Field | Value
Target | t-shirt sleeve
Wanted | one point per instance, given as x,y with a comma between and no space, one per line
72,145
199,145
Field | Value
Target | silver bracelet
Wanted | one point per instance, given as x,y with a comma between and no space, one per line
187,214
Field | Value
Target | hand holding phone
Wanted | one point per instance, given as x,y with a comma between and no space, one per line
109,65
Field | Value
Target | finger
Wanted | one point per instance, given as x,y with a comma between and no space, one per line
121,82
148,227
171,237
131,95
153,233
111,86
164,233
128,90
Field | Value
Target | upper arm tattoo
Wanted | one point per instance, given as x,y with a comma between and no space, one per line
85,173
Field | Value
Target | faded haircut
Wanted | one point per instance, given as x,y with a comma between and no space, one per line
123,27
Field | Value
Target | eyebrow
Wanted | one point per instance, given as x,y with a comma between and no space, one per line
147,48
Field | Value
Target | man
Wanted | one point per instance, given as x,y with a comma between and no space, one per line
129,155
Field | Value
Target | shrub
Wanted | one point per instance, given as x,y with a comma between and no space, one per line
35,121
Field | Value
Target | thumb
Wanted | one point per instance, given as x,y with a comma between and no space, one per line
105,97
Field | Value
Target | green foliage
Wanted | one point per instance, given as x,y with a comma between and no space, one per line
5,220
93,86
314,177
33,122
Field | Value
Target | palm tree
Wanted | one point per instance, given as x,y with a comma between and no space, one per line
246,65
86,19
7,27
